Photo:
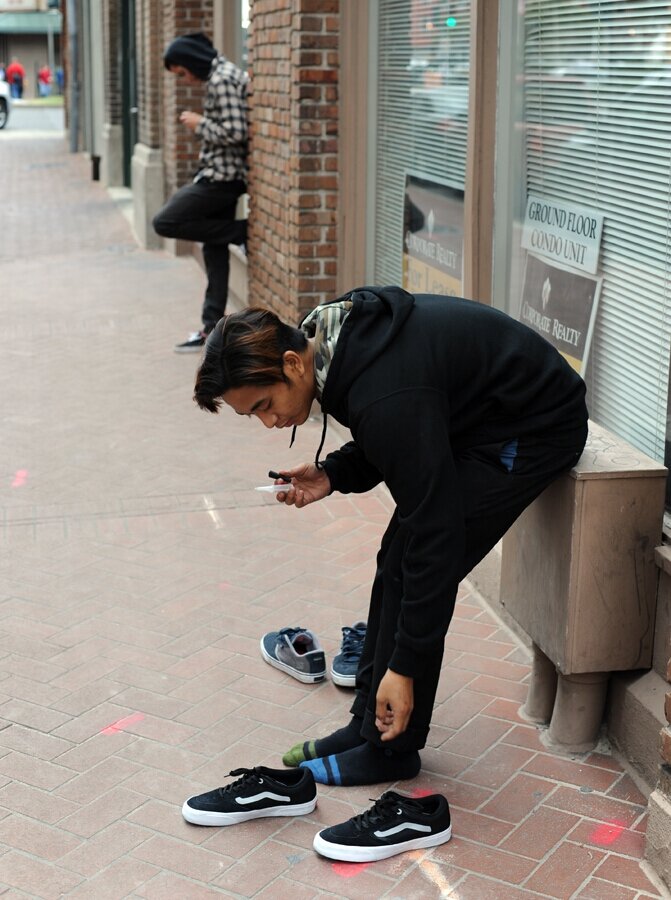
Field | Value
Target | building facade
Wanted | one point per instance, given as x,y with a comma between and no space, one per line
514,153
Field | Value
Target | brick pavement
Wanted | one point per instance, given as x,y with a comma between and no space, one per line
139,570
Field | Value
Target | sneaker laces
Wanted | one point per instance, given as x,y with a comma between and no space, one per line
352,642
381,809
246,775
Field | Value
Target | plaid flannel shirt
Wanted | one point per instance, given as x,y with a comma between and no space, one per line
223,130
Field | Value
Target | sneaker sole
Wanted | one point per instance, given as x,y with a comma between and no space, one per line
204,817
299,676
189,349
343,680
346,853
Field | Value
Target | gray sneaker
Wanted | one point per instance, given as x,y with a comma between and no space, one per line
295,651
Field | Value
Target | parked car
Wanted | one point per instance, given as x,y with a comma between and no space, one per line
5,103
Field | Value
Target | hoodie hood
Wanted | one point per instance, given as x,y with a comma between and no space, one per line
193,51
376,316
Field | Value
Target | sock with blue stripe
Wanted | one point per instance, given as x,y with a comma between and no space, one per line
366,764
343,739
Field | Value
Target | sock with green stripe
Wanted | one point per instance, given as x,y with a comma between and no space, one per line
366,764
343,739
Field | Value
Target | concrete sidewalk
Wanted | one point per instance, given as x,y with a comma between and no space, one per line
139,571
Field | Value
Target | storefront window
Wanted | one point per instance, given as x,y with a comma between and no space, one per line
420,125
583,197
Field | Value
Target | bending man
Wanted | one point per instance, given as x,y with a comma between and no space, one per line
466,415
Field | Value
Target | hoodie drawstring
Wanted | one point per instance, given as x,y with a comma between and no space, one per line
320,465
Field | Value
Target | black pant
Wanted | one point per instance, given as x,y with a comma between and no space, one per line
205,212
492,499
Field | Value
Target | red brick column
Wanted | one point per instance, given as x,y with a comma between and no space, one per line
294,153
180,146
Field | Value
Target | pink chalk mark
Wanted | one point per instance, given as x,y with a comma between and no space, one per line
421,792
224,585
120,724
348,870
20,477
607,833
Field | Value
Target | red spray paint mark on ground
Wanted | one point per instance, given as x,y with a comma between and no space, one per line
421,792
120,724
348,870
607,833
20,477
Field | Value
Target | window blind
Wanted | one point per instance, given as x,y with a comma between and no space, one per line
597,113
421,114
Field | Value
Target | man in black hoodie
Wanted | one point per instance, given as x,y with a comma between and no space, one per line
466,414
205,209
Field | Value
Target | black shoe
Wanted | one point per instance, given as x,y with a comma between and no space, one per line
393,824
193,343
258,792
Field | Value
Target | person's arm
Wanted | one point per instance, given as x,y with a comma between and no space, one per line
349,471
406,437
225,118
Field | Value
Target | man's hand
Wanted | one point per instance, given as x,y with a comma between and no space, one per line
191,119
308,484
394,702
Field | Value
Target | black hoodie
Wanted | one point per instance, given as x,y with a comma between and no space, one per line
418,381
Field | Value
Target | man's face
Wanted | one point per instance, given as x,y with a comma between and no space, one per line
185,75
282,404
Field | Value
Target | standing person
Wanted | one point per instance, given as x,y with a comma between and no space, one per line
44,81
466,414
205,209
16,76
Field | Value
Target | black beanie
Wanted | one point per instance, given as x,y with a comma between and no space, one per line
193,51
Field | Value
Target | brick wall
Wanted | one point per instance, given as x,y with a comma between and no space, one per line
112,26
180,146
294,153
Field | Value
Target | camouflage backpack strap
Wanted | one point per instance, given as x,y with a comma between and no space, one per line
324,324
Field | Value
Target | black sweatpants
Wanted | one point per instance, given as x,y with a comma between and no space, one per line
205,212
492,497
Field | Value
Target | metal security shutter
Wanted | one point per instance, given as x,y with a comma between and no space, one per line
421,114
597,110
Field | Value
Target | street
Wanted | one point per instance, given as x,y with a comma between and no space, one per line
140,569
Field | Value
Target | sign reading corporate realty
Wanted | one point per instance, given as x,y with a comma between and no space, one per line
569,235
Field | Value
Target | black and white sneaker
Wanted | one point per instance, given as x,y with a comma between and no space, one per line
393,824
257,793
193,344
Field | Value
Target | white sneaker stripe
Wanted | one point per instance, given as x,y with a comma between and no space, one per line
264,795
410,826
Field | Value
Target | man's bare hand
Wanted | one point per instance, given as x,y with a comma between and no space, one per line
191,119
308,484
394,703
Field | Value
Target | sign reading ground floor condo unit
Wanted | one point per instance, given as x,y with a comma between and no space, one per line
433,237
561,290
569,235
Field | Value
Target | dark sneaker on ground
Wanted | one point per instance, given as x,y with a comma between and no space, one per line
346,663
395,823
295,651
257,793
193,343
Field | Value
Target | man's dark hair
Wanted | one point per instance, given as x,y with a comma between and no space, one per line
244,348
